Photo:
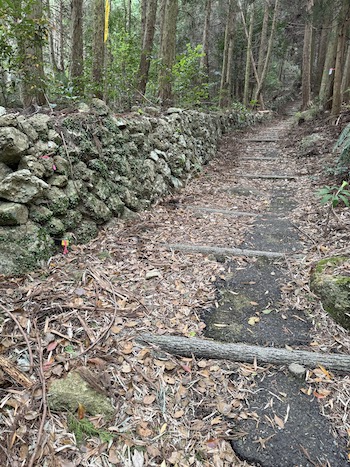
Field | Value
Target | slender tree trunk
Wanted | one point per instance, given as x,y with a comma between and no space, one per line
204,63
143,20
61,46
162,10
247,64
346,77
147,45
263,41
77,55
98,50
129,16
167,53
306,76
325,93
226,73
52,47
321,56
339,63
262,76
33,77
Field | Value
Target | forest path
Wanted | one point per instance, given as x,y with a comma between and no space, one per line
234,279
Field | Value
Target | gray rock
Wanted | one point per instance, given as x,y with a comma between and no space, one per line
116,205
333,288
12,144
40,123
73,191
58,180
23,248
4,170
297,370
22,187
39,214
99,106
96,209
8,120
69,392
72,219
13,214
58,200
62,165
43,148
86,231
33,164
83,107
173,110
27,128
2,111
55,226
54,136
152,110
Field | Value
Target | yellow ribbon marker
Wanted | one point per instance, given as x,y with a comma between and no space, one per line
107,10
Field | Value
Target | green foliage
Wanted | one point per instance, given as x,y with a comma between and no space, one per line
333,195
190,86
343,145
84,428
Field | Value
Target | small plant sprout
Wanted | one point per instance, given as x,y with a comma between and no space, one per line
333,195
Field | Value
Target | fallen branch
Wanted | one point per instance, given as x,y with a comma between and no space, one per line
201,348
9,367
268,177
215,250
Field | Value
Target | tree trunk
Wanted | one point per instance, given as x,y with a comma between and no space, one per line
339,62
246,98
98,50
325,93
61,46
167,53
147,45
226,73
204,63
306,76
201,348
321,56
33,77
51,40
77,55
263,41
346,77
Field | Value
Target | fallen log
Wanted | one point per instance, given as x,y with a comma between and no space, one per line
201,348
215,250
268,177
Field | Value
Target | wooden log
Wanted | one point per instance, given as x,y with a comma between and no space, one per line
225,212
10,368
202,348
215,250
268,177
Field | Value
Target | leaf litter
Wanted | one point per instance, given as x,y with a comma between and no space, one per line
84,310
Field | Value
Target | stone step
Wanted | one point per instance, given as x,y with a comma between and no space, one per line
268,177
225,212
220,251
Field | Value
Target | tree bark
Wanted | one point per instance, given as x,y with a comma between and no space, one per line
98,50
167,53
346,77
247,63
33,77
147,45
77,55
306,76
325,93
200,348
204,63
262,75
226,73
339,62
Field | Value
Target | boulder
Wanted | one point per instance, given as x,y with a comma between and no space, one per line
13,213
4,170
330,280
22,187
96,209
32,163
72,391
40,123
12,144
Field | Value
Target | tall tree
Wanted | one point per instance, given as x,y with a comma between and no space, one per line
205,40
77,55
344,19
33,83
98,49
147,44
249,52
227,69
306,75
167,52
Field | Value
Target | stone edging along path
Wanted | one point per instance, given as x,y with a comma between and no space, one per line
288,429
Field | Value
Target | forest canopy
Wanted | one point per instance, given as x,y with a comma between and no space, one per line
203,53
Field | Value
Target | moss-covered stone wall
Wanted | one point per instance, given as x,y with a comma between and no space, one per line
63,175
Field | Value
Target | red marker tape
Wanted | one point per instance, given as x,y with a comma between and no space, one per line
65,244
